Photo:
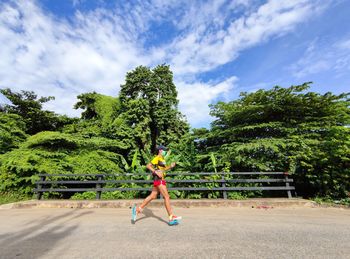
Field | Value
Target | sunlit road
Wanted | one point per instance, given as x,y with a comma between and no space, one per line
204,233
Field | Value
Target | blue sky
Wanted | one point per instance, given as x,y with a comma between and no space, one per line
216,49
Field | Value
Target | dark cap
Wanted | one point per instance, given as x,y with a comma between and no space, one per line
161,147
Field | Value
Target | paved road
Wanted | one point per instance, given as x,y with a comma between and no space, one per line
204,232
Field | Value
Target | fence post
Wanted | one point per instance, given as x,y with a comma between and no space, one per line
39,187
287,184
98,186
224,186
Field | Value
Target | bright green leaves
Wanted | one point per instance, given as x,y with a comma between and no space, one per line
12,132
287,129
98,106
29,107
52,140
149,107
114,134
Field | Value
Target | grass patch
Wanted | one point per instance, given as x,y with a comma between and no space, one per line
236,196
330,201
6,197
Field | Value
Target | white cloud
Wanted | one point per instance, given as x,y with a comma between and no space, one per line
48,56
195,98
345,44
93,50
320,57
203,49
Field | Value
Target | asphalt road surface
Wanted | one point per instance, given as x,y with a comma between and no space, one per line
203,233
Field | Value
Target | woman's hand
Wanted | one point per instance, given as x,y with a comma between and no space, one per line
173,165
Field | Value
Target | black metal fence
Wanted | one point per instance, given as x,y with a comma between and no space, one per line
223,182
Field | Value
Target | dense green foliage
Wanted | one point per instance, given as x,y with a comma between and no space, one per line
27,105
106,139
149,106
57,153
282,129
12,132
287,129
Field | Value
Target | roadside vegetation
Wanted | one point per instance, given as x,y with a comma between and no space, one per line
280,129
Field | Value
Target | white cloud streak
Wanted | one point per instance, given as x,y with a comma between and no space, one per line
320,57
93,50
202,50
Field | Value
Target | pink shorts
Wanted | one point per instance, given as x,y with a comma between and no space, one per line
159,182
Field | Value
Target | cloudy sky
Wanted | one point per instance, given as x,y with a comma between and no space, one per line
216,49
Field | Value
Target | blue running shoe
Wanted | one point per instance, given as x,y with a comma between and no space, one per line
173,222
133,213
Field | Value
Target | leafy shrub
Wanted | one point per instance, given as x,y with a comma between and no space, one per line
236,196
84,196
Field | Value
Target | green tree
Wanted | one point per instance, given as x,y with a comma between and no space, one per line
149,106
98,106
287,129
12,131
84,146
51,152
100,118
29,107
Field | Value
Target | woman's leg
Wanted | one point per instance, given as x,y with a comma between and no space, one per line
149,198
164,191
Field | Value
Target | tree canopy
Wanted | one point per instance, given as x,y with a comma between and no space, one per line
27,105
12,132
150,107
280,129
287,129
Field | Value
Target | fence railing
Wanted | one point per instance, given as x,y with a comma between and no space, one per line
223,182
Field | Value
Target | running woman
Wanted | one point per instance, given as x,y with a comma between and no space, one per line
158,167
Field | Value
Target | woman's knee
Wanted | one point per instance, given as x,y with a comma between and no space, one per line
166,196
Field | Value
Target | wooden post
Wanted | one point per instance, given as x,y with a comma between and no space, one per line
39,187
224,186
287,184
98,186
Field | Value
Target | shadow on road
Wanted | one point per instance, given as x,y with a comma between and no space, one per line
38,237
149,214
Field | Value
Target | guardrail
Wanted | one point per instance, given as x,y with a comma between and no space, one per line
223,182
